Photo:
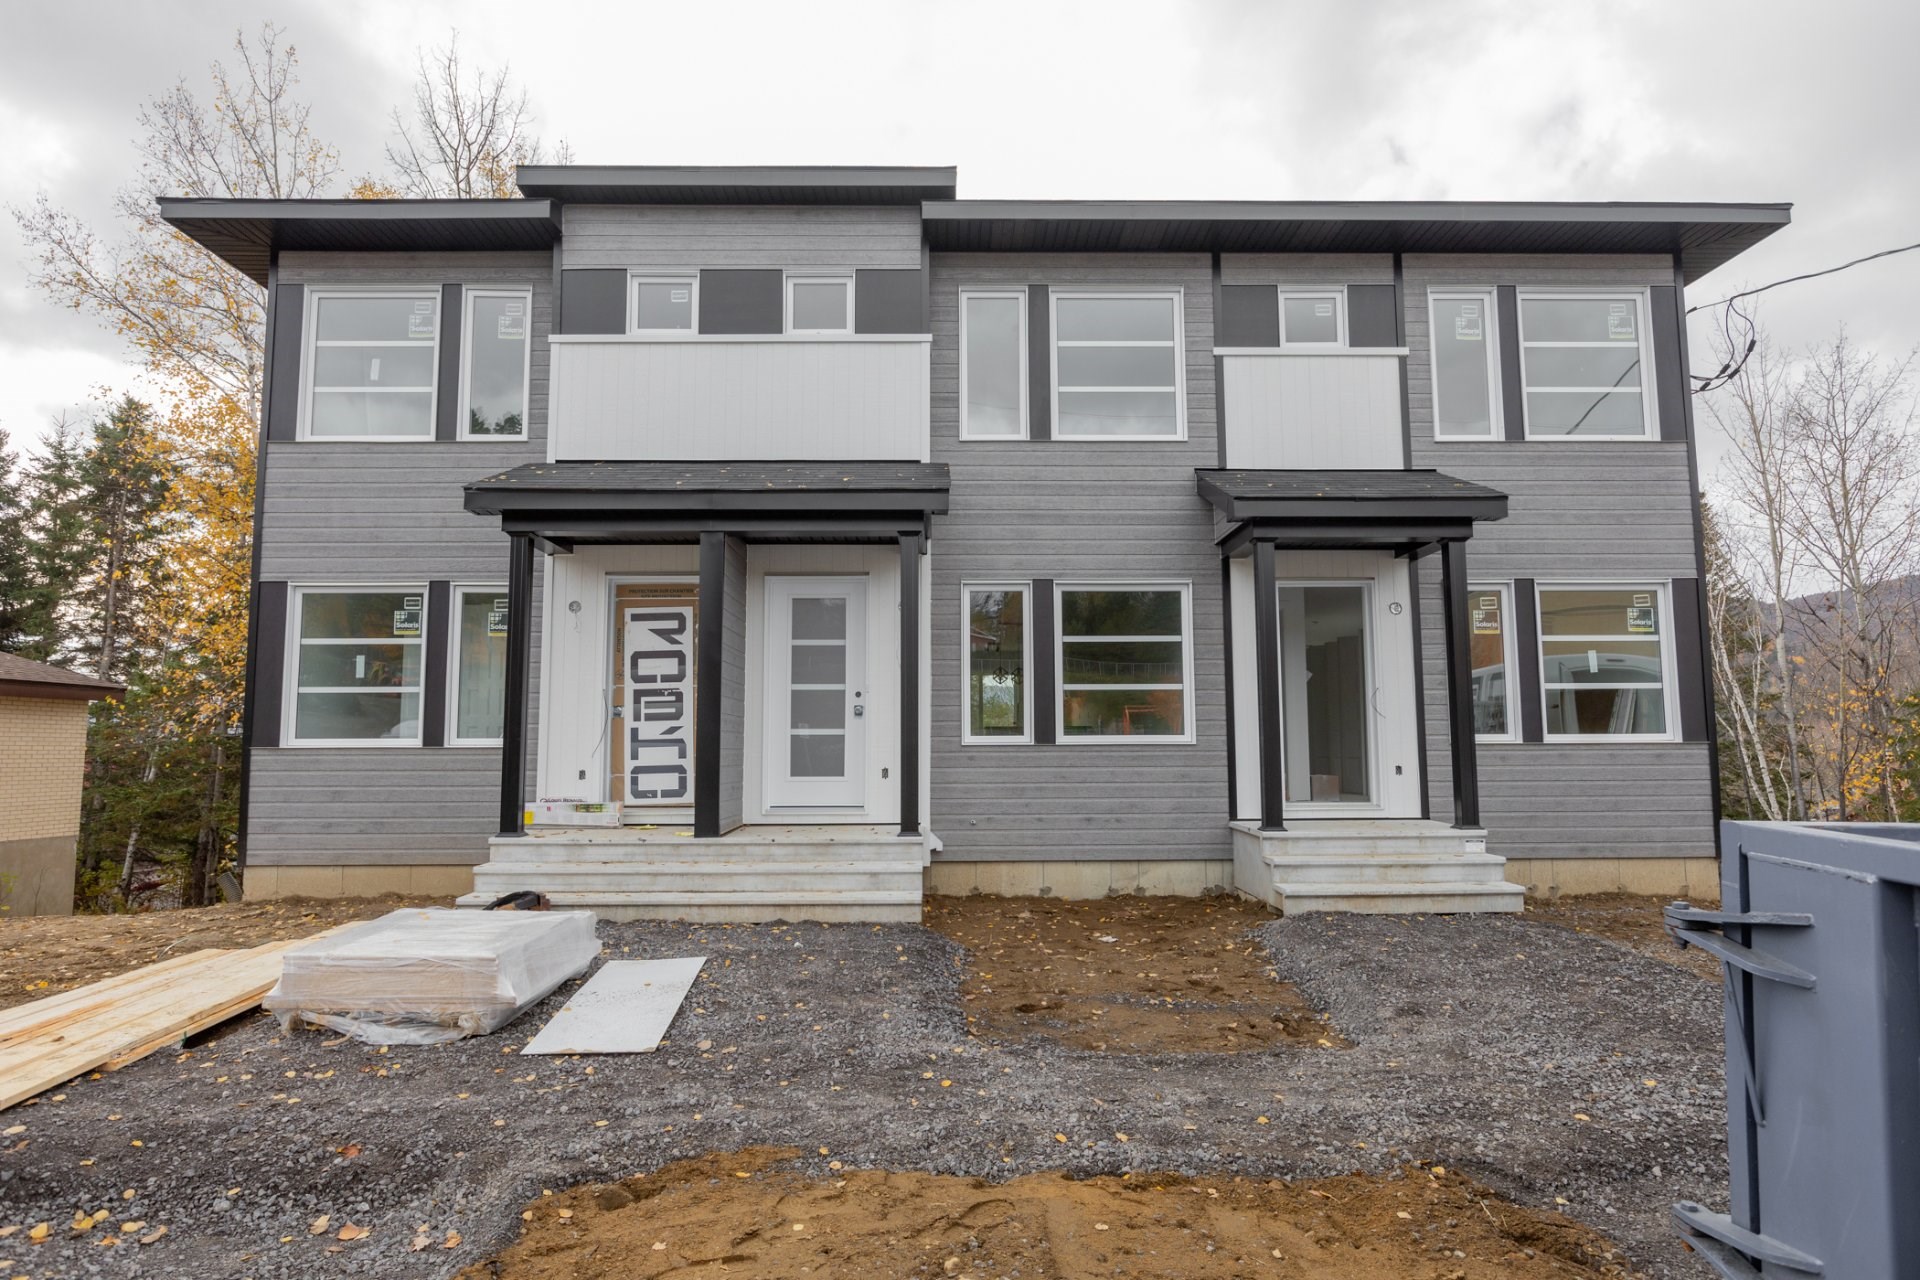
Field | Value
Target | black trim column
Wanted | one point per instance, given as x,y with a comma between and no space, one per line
1046,691
440,647
708,672
1466,769
1266,647
513,727
910,684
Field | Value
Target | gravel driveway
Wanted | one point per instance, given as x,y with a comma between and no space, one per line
1539,1061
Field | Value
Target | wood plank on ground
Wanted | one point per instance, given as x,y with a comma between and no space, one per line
624,1008
120,1020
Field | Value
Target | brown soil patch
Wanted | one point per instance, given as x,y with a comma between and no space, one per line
40,955
1125,974
747,1215
1631,919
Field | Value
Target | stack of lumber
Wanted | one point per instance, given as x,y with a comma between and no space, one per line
107,1024
429,975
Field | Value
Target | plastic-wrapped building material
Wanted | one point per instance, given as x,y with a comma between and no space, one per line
426,976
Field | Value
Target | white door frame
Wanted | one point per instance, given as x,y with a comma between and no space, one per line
782,791
1398,786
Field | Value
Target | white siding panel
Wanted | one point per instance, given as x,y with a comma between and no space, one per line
1308,412
694,236
619,398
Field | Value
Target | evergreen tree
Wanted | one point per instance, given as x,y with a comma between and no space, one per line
59,547
126,489
14,569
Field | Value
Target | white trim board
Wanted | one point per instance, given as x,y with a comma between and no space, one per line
625,1007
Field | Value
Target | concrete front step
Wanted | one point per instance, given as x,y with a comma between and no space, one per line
734,906
1388,867
1429,898
713,877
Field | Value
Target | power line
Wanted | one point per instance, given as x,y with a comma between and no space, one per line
1731,369
1811,275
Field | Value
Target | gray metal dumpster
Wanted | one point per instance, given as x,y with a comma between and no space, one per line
1819,938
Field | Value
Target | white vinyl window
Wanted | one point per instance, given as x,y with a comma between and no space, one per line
664,304
1463,325
1125,661
1117,371
993,364
355,666
1604,661
996,662
372,356
1586,366
819,304
477,667
1313,318
496,341
1490,645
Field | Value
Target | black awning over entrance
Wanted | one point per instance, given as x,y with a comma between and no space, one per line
553,506
563,503
1410,513
1398,510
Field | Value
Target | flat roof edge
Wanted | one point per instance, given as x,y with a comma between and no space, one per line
1765,213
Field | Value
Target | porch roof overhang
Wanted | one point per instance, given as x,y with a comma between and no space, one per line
1403,511
564,503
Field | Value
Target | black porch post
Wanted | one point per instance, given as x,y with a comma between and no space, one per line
910,684
1266,649
709,659
1466,769
513,727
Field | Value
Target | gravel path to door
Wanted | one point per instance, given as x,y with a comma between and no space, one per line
1562,1070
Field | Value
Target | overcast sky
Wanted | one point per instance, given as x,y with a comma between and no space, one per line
1752,100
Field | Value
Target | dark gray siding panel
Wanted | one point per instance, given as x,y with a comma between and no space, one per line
1039,362
1370,316
733,712
433,690
1669,369
734,301
1513,399
270,669
1689,661
593,302
446,424
889,301
1249,315
1077,510
289,316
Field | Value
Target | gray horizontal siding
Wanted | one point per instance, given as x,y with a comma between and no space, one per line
1067,509
688,236
340,806
1306,269
368,511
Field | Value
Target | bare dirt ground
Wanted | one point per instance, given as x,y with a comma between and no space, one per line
750,1213
1576,1079
1126,974
42,955
1630,919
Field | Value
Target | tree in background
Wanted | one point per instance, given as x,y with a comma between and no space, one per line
58,536
465,132
15,574
1755,781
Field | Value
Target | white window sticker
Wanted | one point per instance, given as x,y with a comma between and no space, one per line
497,618
1469,326
1640,621
511,326
420,323
680,295
1323,308
516,308
1486,616
406,622
373,369
1620,322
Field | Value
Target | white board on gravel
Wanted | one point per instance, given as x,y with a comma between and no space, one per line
624,1008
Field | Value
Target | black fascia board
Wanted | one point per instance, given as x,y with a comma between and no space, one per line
1434,497
813,503
740,184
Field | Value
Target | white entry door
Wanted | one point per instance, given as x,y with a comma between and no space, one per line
816,713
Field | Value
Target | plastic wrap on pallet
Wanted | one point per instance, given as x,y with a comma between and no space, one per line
427,976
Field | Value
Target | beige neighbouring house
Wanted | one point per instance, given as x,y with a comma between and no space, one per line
43,759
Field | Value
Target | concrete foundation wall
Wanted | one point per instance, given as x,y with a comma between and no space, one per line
36,876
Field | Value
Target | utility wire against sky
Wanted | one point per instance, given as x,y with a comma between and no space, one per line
1731,369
